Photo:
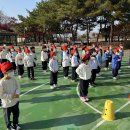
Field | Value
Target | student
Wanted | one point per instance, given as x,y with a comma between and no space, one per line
9,94
99,59
53,66
3,54
13,54
107,58
74,65
111,53
44,58
84,72
29,63
65,62
115,63
19,61
94,65
32,49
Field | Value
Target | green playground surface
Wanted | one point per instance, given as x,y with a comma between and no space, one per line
61,109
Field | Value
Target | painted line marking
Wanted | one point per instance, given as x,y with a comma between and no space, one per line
33,89
88,103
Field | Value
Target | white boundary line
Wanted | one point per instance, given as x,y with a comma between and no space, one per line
88,103
33,89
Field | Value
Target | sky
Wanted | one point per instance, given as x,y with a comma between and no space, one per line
14,7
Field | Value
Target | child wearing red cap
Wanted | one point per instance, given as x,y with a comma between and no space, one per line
33,55
3,54
94,66
53,66
74,65
11,57
44,58
9,94
65,61
115,63
84,72
29,64
107,58
19,62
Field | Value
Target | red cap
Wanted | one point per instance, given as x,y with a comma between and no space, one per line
86,49
11,47
106,49
73,52
85,57
1,48
5,67
52,54
74,47
115,50
53,47
64,47
27,50
18,50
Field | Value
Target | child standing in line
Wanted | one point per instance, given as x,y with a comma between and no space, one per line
65,62
44,58
115,63
111,53
9,94
29,63
74,64
94,65
107,58
33,55
53,66
3,54
84,72
11,57
19,62
99,59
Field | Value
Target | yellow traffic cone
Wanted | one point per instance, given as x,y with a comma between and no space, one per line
108,113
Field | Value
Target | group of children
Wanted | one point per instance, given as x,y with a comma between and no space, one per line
87,66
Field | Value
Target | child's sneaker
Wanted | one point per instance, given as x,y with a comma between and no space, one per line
90,85
73,81
87,99
82,99
97,75
18,127
114,78
105,68
52,87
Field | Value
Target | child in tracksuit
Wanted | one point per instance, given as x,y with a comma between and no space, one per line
53,66
94,65
115,63
11,57
99,59
84,72
33,53
65,62
19,62
74,65
107,58
9,94
111,53
29,63
44,58
3,54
